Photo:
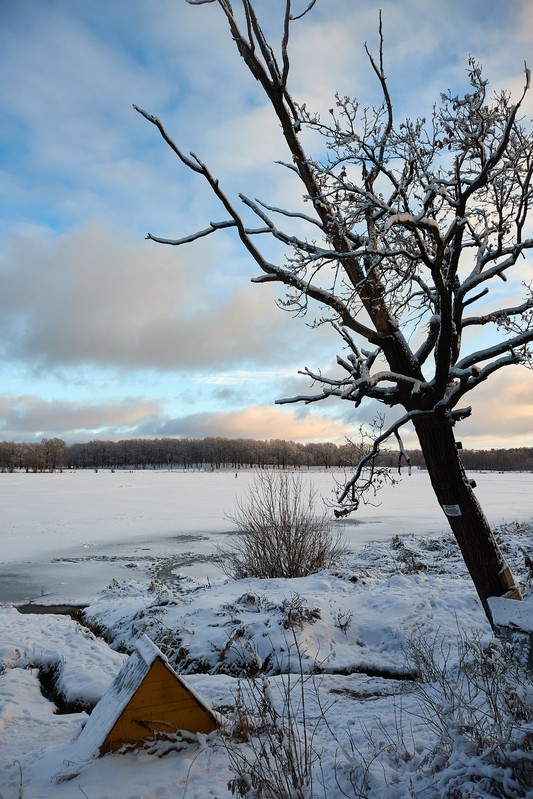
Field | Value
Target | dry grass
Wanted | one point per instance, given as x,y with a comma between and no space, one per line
269,740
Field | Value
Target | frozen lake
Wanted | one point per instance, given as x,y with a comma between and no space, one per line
64,537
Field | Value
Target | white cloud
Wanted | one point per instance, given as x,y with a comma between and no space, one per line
27,418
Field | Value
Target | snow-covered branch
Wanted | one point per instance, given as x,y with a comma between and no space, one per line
425,223
515,343
213,228
500,315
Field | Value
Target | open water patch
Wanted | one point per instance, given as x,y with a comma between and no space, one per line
74,611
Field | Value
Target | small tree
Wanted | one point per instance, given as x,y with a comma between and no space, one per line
279,533
405,230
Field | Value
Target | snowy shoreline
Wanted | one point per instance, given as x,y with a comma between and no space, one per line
356,625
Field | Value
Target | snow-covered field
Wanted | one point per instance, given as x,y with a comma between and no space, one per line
137,547
64,537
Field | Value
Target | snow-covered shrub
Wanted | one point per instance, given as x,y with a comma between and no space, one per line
481,713
269,739
405,556
279,533
296,613
473,709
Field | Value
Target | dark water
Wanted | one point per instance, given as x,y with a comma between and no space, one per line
75,579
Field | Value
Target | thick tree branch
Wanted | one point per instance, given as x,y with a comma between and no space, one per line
514,343
499,315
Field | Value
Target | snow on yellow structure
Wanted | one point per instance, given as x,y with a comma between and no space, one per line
146,699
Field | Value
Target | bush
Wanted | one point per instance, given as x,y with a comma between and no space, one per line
279,533
481,715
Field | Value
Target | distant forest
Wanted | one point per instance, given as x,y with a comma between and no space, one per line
53,454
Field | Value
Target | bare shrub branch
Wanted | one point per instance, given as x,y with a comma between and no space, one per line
279,533
270,738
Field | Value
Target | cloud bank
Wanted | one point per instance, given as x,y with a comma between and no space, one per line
96,297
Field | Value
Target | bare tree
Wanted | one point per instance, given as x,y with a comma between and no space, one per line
55,453
406,229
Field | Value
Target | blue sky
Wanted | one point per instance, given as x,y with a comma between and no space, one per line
107,335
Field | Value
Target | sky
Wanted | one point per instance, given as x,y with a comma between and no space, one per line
108,335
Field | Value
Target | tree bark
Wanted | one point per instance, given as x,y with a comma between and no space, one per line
482,555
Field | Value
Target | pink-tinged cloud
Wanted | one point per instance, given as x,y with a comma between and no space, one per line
261,423
502,412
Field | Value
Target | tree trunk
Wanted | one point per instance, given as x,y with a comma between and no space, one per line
481,553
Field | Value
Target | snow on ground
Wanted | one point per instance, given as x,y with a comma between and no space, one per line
344,622
80,660
334,646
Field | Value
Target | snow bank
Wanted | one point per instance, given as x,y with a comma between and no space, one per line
83,664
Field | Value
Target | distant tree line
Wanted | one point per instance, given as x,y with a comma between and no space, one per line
224,453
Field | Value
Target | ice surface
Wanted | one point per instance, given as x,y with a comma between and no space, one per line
66,536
